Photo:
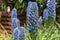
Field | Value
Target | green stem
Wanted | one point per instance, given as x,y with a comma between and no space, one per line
33,35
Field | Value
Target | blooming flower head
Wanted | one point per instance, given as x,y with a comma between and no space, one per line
16,34
14,13
32,17
32,6
45,14
51,5
15,23
22,33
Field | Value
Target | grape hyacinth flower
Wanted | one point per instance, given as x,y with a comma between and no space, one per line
45,14
16,30
16,34
19,33
14,13
32,17
51,5
22,33
15,23
40,20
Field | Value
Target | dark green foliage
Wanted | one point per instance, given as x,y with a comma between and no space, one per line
2,5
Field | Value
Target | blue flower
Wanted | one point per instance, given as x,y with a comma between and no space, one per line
19,33
14,13
15,23
45,14
22,33
32,17
51,5
16,34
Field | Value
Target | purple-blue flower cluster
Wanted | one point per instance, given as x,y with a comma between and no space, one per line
51,5
15,28
14,13
45,14
22,33
50,10
16,34
15,23
32,17
19,33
